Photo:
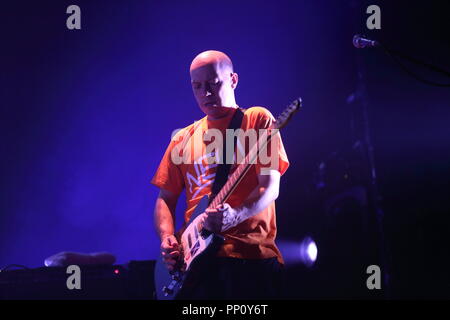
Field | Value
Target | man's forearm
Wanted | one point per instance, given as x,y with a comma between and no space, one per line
164,218
259,200
225,217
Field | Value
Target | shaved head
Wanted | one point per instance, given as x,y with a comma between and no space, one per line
212,57
213,82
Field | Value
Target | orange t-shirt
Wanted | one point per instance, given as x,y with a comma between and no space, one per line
254,238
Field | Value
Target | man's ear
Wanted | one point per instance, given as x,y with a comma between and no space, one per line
234,80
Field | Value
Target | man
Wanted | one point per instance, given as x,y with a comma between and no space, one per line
248,265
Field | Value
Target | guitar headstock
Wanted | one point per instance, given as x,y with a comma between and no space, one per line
287,114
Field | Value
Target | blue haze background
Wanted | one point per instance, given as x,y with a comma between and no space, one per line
87,115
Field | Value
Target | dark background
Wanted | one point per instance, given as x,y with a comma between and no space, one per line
87,114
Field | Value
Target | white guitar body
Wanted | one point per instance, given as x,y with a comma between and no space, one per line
197,245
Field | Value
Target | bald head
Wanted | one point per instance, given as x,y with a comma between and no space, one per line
213,83
212,57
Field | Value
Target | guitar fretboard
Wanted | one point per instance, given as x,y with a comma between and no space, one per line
243,168
250,158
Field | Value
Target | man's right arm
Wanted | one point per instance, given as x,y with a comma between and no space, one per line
165,213
165,225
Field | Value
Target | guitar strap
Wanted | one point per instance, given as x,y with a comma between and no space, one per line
224,168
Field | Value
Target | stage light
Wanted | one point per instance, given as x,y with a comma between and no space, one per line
294,252
308,251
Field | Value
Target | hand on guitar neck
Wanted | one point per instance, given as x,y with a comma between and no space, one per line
220,219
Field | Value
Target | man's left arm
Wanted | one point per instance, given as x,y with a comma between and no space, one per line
225,217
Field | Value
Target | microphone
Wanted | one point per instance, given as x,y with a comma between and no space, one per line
360,42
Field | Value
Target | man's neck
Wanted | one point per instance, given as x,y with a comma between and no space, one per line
223,115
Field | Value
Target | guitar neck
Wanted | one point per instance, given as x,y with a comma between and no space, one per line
255,150
242,169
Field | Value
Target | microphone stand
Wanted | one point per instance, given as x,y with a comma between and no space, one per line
368,150
363,139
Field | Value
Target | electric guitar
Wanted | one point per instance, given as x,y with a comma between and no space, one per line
197,243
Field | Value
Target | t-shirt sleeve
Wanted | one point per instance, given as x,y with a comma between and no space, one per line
274,157
168,176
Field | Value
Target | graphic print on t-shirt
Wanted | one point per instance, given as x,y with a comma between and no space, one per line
202,178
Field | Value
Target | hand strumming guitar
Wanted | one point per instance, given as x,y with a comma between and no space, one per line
170,250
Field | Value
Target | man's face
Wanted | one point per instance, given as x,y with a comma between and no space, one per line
213,89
